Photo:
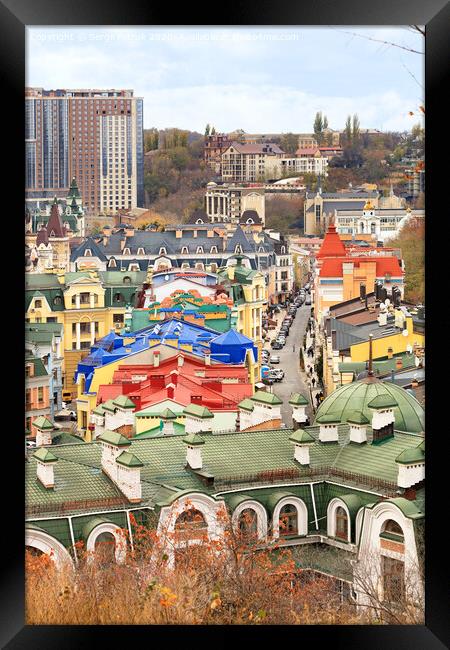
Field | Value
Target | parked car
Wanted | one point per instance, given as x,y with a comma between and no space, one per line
276,374
308,300
275,346
282,340
274,358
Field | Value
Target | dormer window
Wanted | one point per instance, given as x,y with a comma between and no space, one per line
112,263
88,252
126,251
162,251
184,250
199,249
283,250
249,221
238,248
127,279
261,249
213,249
199,221
140,251
38,304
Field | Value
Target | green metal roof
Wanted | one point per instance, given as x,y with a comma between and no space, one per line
298,399
382,401
39,368
124,402
43,423
328,418
193,439
99,410
167,414
198,411
114,438
357,418
301,437
409,508
79,478
45,455
266,398
246,404
409,414
409,456
128,459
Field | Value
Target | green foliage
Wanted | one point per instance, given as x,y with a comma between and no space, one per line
289,143
284,214
411,241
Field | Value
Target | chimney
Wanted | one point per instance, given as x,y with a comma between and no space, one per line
128,476
383,417
170,390
411,466
299,404
113,443
196,418
180,361
194,444
302,441
168,418
44,430
174,377
207,358
45,467
357,423
156,359
328,431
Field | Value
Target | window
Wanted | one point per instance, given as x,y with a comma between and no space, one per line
288,521
88,252
184,250
105,548
341,523
393,572
127,279
162,251
191,524
51,319
40,394
248,522
118,297
28,372
391,530
112,263
140,251
38,304
199,249
57,300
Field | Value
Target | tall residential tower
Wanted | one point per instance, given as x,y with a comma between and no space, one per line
95,136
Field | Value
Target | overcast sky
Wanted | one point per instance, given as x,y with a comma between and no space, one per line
257,79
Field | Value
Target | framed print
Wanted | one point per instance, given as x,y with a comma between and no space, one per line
226,261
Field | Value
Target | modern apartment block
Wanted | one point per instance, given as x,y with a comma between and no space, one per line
95,136
228,202
251,162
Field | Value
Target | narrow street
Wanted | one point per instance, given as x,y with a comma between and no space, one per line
293,381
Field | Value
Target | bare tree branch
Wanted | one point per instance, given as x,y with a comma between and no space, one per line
377,40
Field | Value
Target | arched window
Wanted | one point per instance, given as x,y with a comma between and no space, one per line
112,263
127,279
105,548
393,531
57,300
341,523
191,524
248,522
126,251
288,520
88,252
141,251
372,228
118,297
162,251
184,250
35,552
199,249
361,227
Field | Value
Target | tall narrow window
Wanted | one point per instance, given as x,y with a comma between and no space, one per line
393,572
288,520
341,523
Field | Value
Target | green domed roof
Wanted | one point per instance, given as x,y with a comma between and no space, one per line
409,414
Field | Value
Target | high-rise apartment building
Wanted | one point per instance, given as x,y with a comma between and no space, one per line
95,136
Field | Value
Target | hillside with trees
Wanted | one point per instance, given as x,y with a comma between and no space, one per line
411,241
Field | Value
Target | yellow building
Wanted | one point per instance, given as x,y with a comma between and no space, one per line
88,305
383,348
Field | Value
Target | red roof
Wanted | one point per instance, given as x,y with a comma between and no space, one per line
55,226
311,151
332,268
332,246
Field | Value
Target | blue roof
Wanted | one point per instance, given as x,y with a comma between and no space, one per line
232,337
230,347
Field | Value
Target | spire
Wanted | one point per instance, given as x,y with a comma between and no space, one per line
370,374
55,226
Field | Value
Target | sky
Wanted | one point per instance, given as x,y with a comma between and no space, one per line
261,80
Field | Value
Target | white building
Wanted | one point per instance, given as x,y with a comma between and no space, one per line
382,223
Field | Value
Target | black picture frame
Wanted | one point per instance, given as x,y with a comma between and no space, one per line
15,15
